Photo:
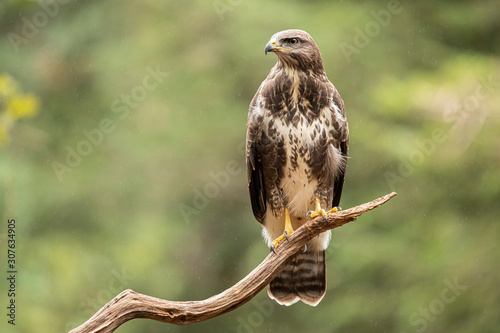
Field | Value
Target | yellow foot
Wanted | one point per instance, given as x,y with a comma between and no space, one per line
288,231
314,213
319,211
334,210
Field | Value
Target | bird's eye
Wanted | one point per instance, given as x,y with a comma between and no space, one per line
293,41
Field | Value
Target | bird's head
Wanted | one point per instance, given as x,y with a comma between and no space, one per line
295,49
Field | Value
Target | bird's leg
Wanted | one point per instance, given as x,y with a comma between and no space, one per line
288,230
319,211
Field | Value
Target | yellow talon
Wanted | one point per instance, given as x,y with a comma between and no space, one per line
319,211
313,214
288,231
334,210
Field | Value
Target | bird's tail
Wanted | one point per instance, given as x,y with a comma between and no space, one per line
304,278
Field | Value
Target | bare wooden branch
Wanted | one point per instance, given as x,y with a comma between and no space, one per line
130,304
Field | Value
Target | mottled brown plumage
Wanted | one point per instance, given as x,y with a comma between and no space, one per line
297,145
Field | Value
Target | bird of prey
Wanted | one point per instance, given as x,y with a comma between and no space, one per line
296,154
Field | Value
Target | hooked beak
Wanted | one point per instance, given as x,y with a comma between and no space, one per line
271,47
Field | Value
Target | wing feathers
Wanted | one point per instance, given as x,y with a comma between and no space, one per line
256,183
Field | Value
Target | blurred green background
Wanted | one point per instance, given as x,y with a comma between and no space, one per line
121,132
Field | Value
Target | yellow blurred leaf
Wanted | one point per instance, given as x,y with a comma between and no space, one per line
23,106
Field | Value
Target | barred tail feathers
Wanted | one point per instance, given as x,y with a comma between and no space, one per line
304,278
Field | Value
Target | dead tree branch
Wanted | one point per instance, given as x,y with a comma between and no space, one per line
130,304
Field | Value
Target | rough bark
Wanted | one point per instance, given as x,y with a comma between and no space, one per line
130,304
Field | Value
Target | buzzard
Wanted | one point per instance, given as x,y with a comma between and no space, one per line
296,154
